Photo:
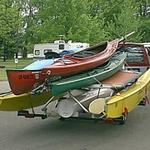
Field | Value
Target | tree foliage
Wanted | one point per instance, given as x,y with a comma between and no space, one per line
26,22
125,22
10,27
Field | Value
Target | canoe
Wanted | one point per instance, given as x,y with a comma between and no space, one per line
68,106
89,77
85,60
11,102
24,80
124,101
38,64
27,79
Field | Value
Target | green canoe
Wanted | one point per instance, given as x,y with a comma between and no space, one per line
90,77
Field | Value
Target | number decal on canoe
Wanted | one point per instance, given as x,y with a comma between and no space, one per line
23,76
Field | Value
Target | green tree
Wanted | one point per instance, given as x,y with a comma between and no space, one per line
125,22
70,18
144,15
10,28
26,22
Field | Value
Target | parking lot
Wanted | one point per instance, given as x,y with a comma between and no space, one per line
53,134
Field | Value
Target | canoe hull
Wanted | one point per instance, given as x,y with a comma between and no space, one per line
78,65
23,81
90,77
130,98
27,79
124,101
13,102
68,107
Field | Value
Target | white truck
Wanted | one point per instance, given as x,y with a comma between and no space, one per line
58,46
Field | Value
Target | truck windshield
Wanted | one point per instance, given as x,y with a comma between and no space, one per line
135,54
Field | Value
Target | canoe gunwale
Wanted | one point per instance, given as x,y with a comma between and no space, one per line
137,91
88,73
85,77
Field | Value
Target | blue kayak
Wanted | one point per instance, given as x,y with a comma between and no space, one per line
39,64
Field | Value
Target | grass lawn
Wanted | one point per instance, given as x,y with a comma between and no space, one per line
10,64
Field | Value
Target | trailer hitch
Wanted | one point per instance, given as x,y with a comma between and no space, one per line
26,114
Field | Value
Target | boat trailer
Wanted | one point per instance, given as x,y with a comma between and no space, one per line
84,115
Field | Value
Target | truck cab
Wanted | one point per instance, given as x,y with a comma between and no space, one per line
137,57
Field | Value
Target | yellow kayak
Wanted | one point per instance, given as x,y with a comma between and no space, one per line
13,102
123,102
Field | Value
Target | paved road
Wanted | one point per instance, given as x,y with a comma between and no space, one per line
4,86
18,133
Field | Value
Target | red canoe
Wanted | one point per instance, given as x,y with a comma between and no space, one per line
83,61
23,81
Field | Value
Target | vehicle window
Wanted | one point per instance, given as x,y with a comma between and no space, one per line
135,50
37,52
135,54
148,49
134,69
47,50
61,46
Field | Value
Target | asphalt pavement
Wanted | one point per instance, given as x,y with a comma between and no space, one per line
19,133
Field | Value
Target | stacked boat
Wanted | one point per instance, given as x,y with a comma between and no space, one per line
90,83
22,81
